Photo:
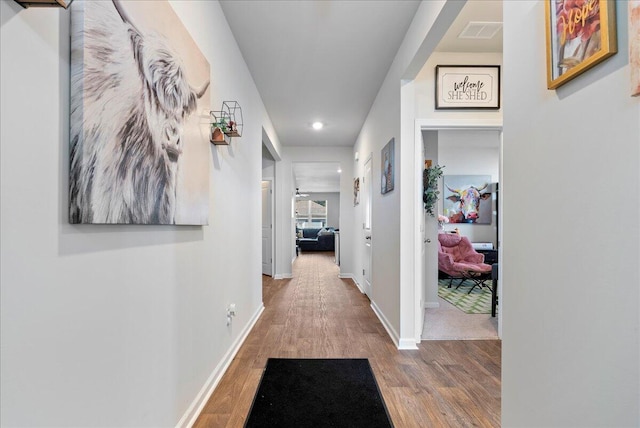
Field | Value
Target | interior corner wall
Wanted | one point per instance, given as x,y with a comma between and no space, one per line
116,325
571,199
393,224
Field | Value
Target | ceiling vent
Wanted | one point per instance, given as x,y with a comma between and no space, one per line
480,30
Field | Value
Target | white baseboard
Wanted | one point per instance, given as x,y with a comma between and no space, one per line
386,324
352,277
407,344
283,276
401,343
192,413
431,305
358,285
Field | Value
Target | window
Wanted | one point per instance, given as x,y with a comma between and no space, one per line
311,214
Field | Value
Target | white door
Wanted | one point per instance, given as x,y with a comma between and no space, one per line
367,188
430,258
267,229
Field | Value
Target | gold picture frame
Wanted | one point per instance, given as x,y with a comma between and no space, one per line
634,46
579,34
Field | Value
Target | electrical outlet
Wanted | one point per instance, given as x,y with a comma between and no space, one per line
231,312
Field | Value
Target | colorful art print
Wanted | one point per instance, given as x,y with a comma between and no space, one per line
634,46
356,191
470,87
466,199
139,150
579,35
387,156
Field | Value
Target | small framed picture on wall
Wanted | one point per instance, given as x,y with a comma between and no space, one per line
387,155
470,87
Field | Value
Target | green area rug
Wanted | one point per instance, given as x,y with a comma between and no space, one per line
477,302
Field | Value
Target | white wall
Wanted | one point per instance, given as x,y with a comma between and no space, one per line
268,164
471,152
570,267
395,297
116,325
268,169
285,241
333,206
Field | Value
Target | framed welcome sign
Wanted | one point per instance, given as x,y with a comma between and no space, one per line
580,34
467,87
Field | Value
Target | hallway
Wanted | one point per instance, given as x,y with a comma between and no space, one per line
318,315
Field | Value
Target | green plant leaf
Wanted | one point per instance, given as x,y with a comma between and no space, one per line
430,178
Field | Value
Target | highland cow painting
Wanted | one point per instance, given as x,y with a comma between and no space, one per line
467,199
139,151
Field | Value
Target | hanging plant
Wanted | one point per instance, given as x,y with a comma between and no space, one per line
430,178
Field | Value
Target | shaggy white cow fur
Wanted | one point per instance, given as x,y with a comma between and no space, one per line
129,102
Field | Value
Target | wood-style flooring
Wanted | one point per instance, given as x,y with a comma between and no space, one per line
318,315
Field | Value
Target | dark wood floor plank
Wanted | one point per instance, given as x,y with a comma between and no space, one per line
318,315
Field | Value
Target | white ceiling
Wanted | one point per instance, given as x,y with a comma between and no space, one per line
318,61
325,60
474,11
318,177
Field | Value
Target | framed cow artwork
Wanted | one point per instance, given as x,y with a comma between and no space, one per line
140,102
466,199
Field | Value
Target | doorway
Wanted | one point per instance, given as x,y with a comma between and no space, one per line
367,190
267,227
316,204
268,211
443,144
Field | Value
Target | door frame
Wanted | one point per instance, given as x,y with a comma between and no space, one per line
273,222
439,125
367,204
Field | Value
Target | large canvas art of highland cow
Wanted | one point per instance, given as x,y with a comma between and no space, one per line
139,151
467,199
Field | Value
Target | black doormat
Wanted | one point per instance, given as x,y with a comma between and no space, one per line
318,393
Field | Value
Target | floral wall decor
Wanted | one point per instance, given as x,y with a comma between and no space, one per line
634,46
579,35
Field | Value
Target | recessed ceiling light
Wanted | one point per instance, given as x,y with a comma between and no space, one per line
339,171
317,125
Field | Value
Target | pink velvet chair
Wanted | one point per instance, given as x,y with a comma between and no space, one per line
458,260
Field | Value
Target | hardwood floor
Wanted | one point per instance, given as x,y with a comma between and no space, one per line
318,315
